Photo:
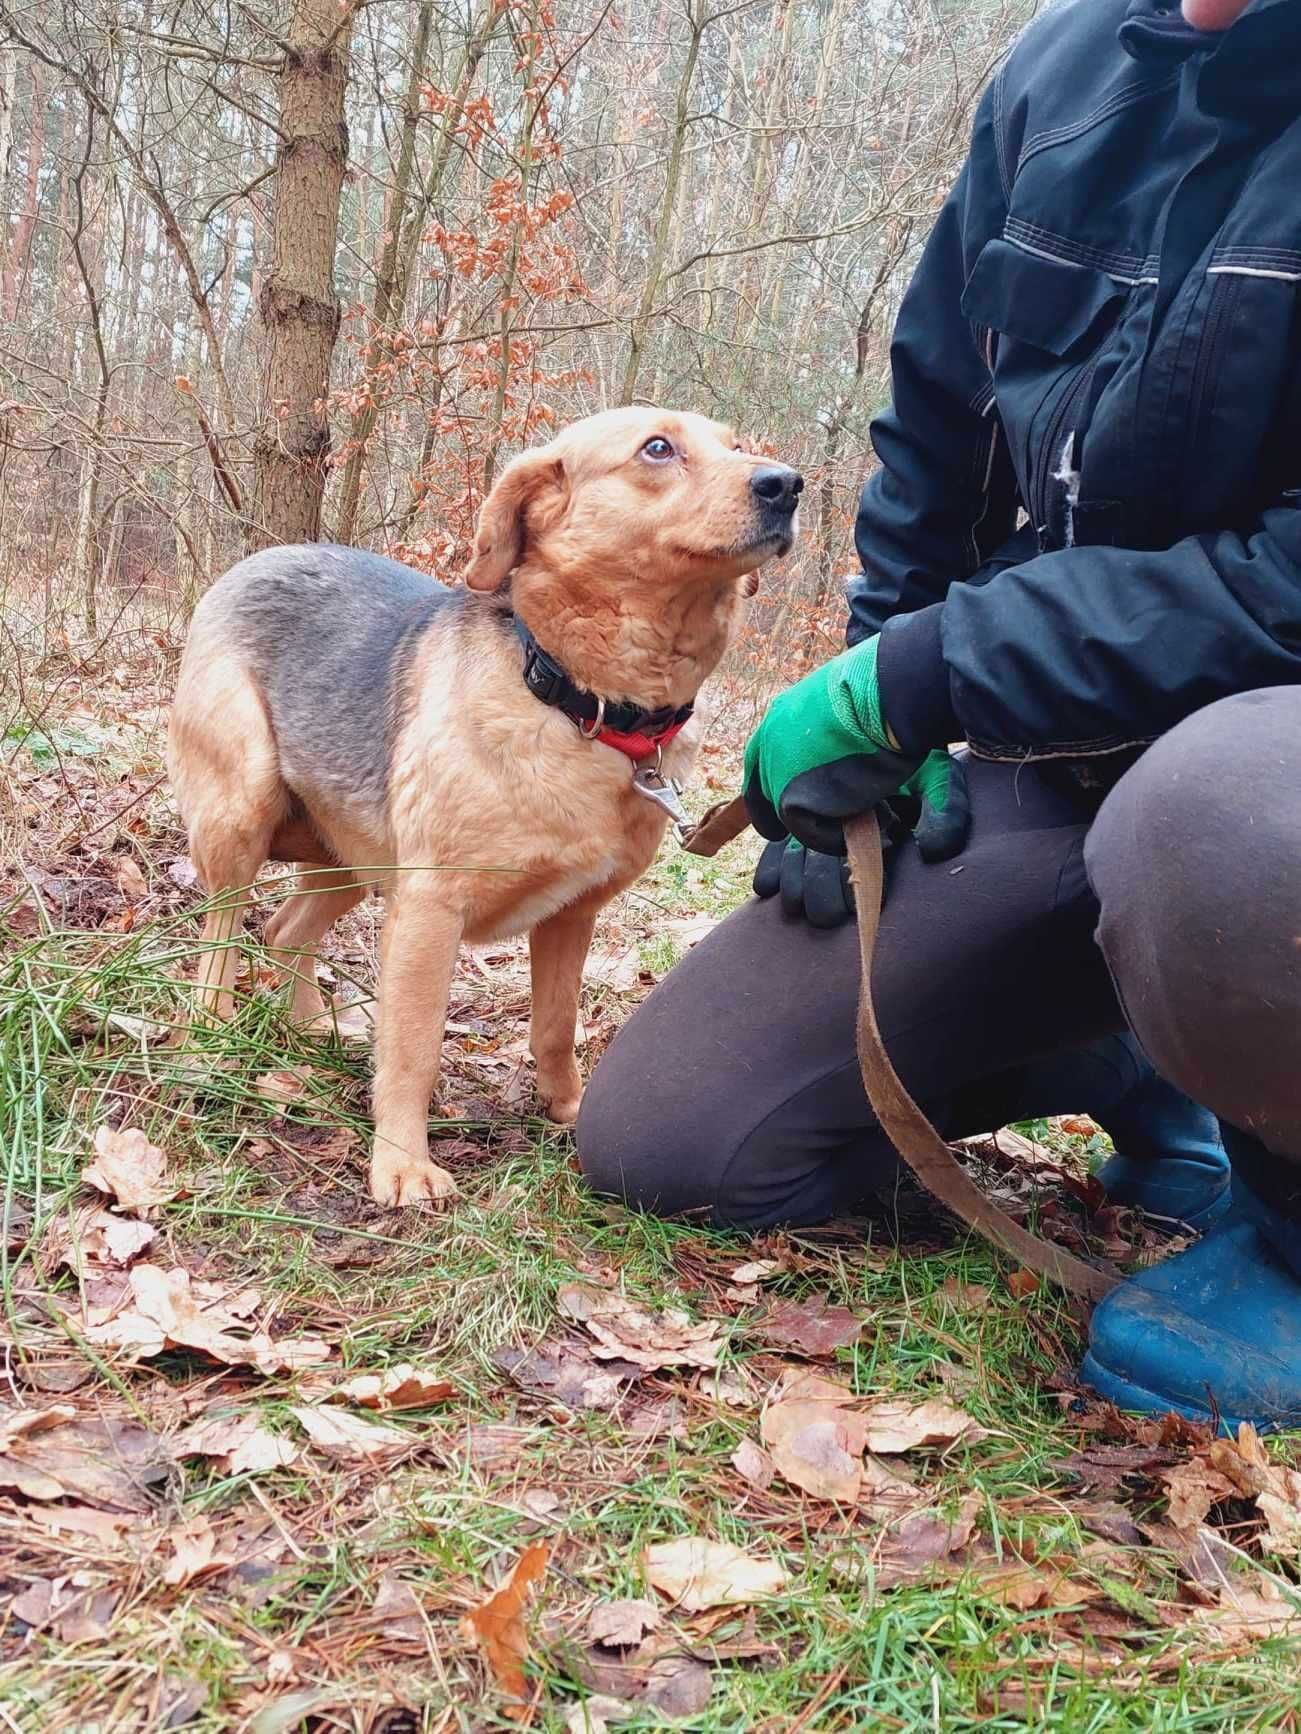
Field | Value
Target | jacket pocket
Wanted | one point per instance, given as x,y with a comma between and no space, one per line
1051,304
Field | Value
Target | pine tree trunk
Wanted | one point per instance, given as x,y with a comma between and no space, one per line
298,304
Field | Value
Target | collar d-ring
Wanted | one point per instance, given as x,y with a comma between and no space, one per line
598,722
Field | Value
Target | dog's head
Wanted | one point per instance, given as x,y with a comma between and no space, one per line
640,496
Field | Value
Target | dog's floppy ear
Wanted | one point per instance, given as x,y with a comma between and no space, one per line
499,539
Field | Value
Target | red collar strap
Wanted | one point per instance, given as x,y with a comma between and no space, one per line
628,728
640,746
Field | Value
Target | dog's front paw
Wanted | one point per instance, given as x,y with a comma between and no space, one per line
394,1182
563,1107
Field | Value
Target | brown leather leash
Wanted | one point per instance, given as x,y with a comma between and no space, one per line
903,1122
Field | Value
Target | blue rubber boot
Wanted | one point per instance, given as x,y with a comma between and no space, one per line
1169,1159
1215,1329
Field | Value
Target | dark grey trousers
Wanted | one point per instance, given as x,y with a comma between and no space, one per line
1007,983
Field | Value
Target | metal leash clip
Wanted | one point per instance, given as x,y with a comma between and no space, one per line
651,782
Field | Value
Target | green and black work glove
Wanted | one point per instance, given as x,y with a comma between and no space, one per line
933,805
824,752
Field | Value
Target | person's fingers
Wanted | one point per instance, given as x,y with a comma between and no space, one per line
1213,14
792,880
944,823
767,869
828,897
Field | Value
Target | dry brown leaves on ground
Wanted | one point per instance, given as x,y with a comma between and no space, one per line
237,1444
58,1453
498,1625
151,1309
815,1433
94,1239
129,1168
696,1574
399,1387
348,1438
282,1089
1226,1470
811,1327
568,1373
626,1331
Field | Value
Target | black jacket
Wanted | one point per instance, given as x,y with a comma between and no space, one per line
1104,331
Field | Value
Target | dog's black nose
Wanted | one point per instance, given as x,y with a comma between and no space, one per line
778,486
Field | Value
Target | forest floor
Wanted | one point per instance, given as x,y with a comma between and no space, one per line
271,1458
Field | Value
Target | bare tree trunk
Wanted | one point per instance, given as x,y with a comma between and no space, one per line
299,307
672,180
90,267
185,522
402,237
8,102
16,259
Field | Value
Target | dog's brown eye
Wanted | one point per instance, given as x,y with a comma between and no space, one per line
658,450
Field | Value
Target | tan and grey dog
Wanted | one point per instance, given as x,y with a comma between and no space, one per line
470,750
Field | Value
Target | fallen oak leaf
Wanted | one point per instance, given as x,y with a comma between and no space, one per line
568,1375
1244,1461
1242,1468
758,1270
239,1444
697,1575
801,1385
733,1387
347,1437
813,1327
107,1527
195,1553
1191,1490
497,1624
1022,1283
129,1168
967,1297
1251,1614
620,1625
130,880
283,1088
894,1426
96,1237
678,1686
817,1447
400,1387
919,1546
753,1464
171,1311
627,1331
74,1613
92,1459
20,1423
595,1714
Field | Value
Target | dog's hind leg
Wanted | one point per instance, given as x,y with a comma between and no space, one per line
417,952
226,773
319,897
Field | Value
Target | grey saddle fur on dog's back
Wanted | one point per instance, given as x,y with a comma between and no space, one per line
328,632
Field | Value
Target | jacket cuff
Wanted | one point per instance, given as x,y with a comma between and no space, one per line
913,681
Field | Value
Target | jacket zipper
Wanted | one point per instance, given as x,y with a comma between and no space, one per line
1070,398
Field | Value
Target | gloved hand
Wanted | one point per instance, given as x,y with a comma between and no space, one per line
934,805
823,753
812,885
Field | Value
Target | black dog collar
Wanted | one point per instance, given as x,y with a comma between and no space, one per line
627,727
